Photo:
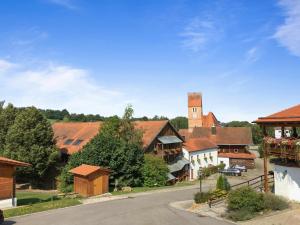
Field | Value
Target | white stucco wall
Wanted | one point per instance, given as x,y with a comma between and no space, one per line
199,160
287,182
7,203
225,161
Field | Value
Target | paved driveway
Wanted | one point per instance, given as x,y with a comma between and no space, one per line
149,209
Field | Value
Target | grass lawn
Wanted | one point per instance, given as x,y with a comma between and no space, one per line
145,189
30,202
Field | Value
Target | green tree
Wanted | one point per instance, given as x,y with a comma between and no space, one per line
30,139
7,118
222,183
155,171
180,122
118,146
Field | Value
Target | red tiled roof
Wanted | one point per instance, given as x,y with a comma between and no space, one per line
210,120
85,170
288,115
7,161
237,155
194,99
223,136
84,131
150,129
198,144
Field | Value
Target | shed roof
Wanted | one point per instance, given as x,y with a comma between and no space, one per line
199,144
12,162
288,115
86,170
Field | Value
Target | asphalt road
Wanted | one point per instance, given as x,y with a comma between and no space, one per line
152,209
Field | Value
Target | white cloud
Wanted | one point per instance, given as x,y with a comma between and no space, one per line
58,87
198,33
65,3
288,34
252,55
5,65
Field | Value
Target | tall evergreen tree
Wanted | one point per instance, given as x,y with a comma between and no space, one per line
30,139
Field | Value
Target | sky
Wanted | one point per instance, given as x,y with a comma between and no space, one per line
92,56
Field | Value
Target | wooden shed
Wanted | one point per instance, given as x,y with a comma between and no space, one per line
7,181
90,180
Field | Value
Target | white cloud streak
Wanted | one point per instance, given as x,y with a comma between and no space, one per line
64,3
58,87
198,33
5,65
288,33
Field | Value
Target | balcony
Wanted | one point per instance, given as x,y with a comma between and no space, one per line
285,148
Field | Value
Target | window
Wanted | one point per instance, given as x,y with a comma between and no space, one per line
68,141
236,150
194,109
77,142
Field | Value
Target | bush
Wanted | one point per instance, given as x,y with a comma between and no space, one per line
273,202
154,171
245,198
261,151
201,197
241,215
222,183
207,171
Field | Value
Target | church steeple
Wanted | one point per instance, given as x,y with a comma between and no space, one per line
195,110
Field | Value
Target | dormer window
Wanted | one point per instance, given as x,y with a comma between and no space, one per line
68,141
78,142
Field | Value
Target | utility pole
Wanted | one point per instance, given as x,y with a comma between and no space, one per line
200,179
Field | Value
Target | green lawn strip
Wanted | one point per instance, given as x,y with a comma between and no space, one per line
146,189
39,207
29,198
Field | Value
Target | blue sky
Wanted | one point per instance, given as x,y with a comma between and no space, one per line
95,56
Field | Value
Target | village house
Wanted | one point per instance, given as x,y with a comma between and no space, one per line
206,136
8,182
201,152
160,138
284,150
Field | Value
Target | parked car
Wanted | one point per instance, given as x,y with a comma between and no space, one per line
231,172
1,217
241,168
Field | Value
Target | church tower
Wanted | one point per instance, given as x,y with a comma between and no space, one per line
195,114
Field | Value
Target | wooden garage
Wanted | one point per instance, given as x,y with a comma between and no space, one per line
90,180
7,181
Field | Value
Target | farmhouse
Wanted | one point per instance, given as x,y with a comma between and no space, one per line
285,150
7,181
159,138
232,142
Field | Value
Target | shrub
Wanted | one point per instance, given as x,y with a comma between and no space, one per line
245,198
201,197
261,151
273,202
154,171
222,183
241,215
